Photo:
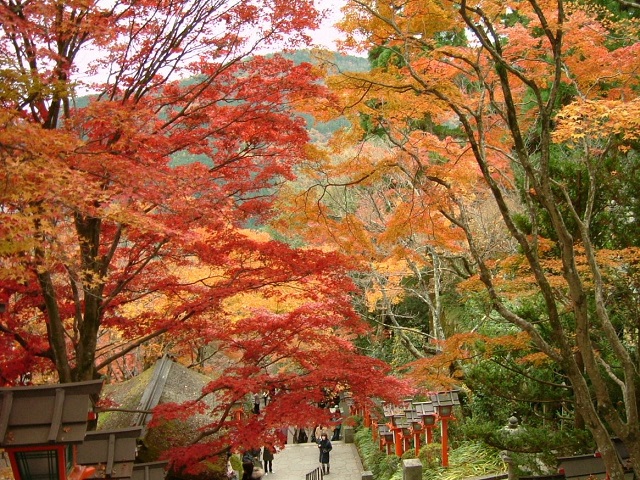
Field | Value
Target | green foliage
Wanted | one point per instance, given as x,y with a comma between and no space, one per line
616,202
370,124
442,130
383,57
613,8
377,348
528,438
455,38
388,467
382,466
399,355
509,382
431,456
469,459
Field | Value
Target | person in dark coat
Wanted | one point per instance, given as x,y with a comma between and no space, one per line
256,403
247,469
324,445
267,458
251,472
249,457
252,456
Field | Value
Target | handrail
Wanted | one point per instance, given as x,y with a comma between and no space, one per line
315,474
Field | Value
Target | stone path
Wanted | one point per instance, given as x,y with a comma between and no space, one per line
298,459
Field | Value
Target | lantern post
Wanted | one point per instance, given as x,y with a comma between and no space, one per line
416,429
396,426
41,427
385,436
427,413
512,428
444,403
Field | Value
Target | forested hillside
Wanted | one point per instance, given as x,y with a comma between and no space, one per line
320,131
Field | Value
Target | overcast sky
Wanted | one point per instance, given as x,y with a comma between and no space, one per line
327,33
324,36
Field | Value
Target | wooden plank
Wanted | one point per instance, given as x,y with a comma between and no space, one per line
7,403
111,451
56,416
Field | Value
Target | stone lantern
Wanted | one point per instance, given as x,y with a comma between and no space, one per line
444,403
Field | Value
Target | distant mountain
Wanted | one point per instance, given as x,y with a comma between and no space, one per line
344,63
319,131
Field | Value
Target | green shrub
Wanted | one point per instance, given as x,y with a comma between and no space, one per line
387,467
431,456
411,453
383,466
468,459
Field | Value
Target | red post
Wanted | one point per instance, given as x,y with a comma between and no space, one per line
406,444
237,414
445,441
416,440
429,438
398,440
374,430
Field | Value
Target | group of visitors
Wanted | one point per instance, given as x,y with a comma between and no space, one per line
310,434
252,467
262,400
257,463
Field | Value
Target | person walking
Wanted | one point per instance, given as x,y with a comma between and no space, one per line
252,455
324,445
256,403
231,473
336,421
267,458
318,433
251,472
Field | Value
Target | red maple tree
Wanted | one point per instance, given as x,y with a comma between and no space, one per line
122,212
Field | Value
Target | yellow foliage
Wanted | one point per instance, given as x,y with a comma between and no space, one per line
241,305
598,119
